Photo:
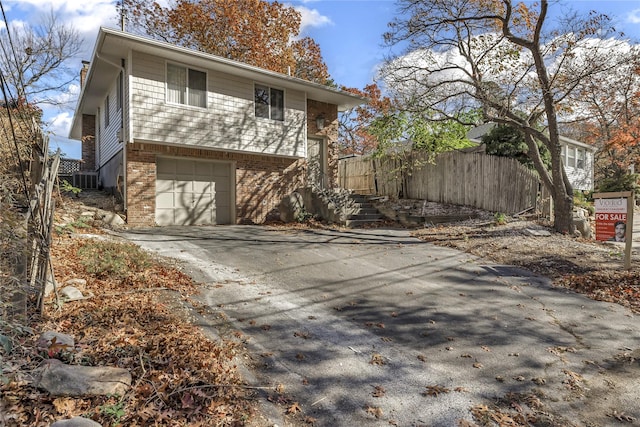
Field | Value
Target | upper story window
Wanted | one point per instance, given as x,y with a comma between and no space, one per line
269,102
186,86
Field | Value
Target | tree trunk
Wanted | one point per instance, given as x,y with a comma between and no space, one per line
563,212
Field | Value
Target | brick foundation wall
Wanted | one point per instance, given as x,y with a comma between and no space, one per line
261,181
88,143
141,187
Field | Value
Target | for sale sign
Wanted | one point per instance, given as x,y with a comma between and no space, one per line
611,219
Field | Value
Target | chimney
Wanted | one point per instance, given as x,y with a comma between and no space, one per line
83,73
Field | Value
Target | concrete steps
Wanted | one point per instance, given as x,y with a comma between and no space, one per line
365,215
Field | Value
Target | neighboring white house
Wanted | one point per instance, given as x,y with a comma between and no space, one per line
192,138
577,157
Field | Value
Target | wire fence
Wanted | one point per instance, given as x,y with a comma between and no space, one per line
27,178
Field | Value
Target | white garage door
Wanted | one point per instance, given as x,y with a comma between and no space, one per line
192,192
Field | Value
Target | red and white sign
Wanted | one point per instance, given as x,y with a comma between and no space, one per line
611,219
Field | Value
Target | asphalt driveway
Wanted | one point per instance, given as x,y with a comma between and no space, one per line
374,327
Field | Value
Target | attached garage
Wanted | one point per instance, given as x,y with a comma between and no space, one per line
194,192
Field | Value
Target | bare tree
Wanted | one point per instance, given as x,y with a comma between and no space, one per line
34,58
505,59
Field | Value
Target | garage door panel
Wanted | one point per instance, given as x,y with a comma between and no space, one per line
203,169
190,192
221,184
203,187
183,217
164,200
223,199
185,167
222,216
164,216
165,166
164,184
184,199
220,170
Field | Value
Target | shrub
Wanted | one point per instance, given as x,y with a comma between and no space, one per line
112,259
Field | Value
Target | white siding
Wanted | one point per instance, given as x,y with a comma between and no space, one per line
108,143
580,178
229,122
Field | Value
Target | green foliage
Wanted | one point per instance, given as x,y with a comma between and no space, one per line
115,411
582,200
68,188
303,215
81,222
112,259
500,218
401,131
507,141
622,181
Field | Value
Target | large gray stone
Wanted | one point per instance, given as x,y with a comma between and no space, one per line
583,226
76,282
71,293
76,422
110,218
59,379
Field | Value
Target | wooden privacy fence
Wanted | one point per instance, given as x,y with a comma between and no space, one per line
497,184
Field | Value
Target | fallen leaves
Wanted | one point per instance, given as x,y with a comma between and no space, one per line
378,391
435,390
374,410
294,408
377,359
180,377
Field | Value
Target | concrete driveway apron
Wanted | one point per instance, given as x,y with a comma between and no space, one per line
372,327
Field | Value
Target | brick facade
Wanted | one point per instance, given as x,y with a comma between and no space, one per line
261,181
88,143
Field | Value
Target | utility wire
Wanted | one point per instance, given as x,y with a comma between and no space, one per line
19,83
14,137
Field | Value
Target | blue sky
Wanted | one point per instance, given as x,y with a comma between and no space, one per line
349,33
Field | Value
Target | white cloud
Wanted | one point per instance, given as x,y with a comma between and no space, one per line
60,124
312,18
634,16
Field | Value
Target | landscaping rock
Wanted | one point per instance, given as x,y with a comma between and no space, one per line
76,422
536,232
76,282
110,218
71,293
46,339
59,379
583,227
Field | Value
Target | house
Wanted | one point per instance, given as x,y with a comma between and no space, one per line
187,137
577,157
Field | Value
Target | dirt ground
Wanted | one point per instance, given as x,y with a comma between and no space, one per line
584,265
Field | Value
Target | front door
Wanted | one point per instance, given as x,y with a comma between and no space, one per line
316,166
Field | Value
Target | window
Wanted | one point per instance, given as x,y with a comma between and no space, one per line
269,103
580,163
186,86
106,112
571,157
